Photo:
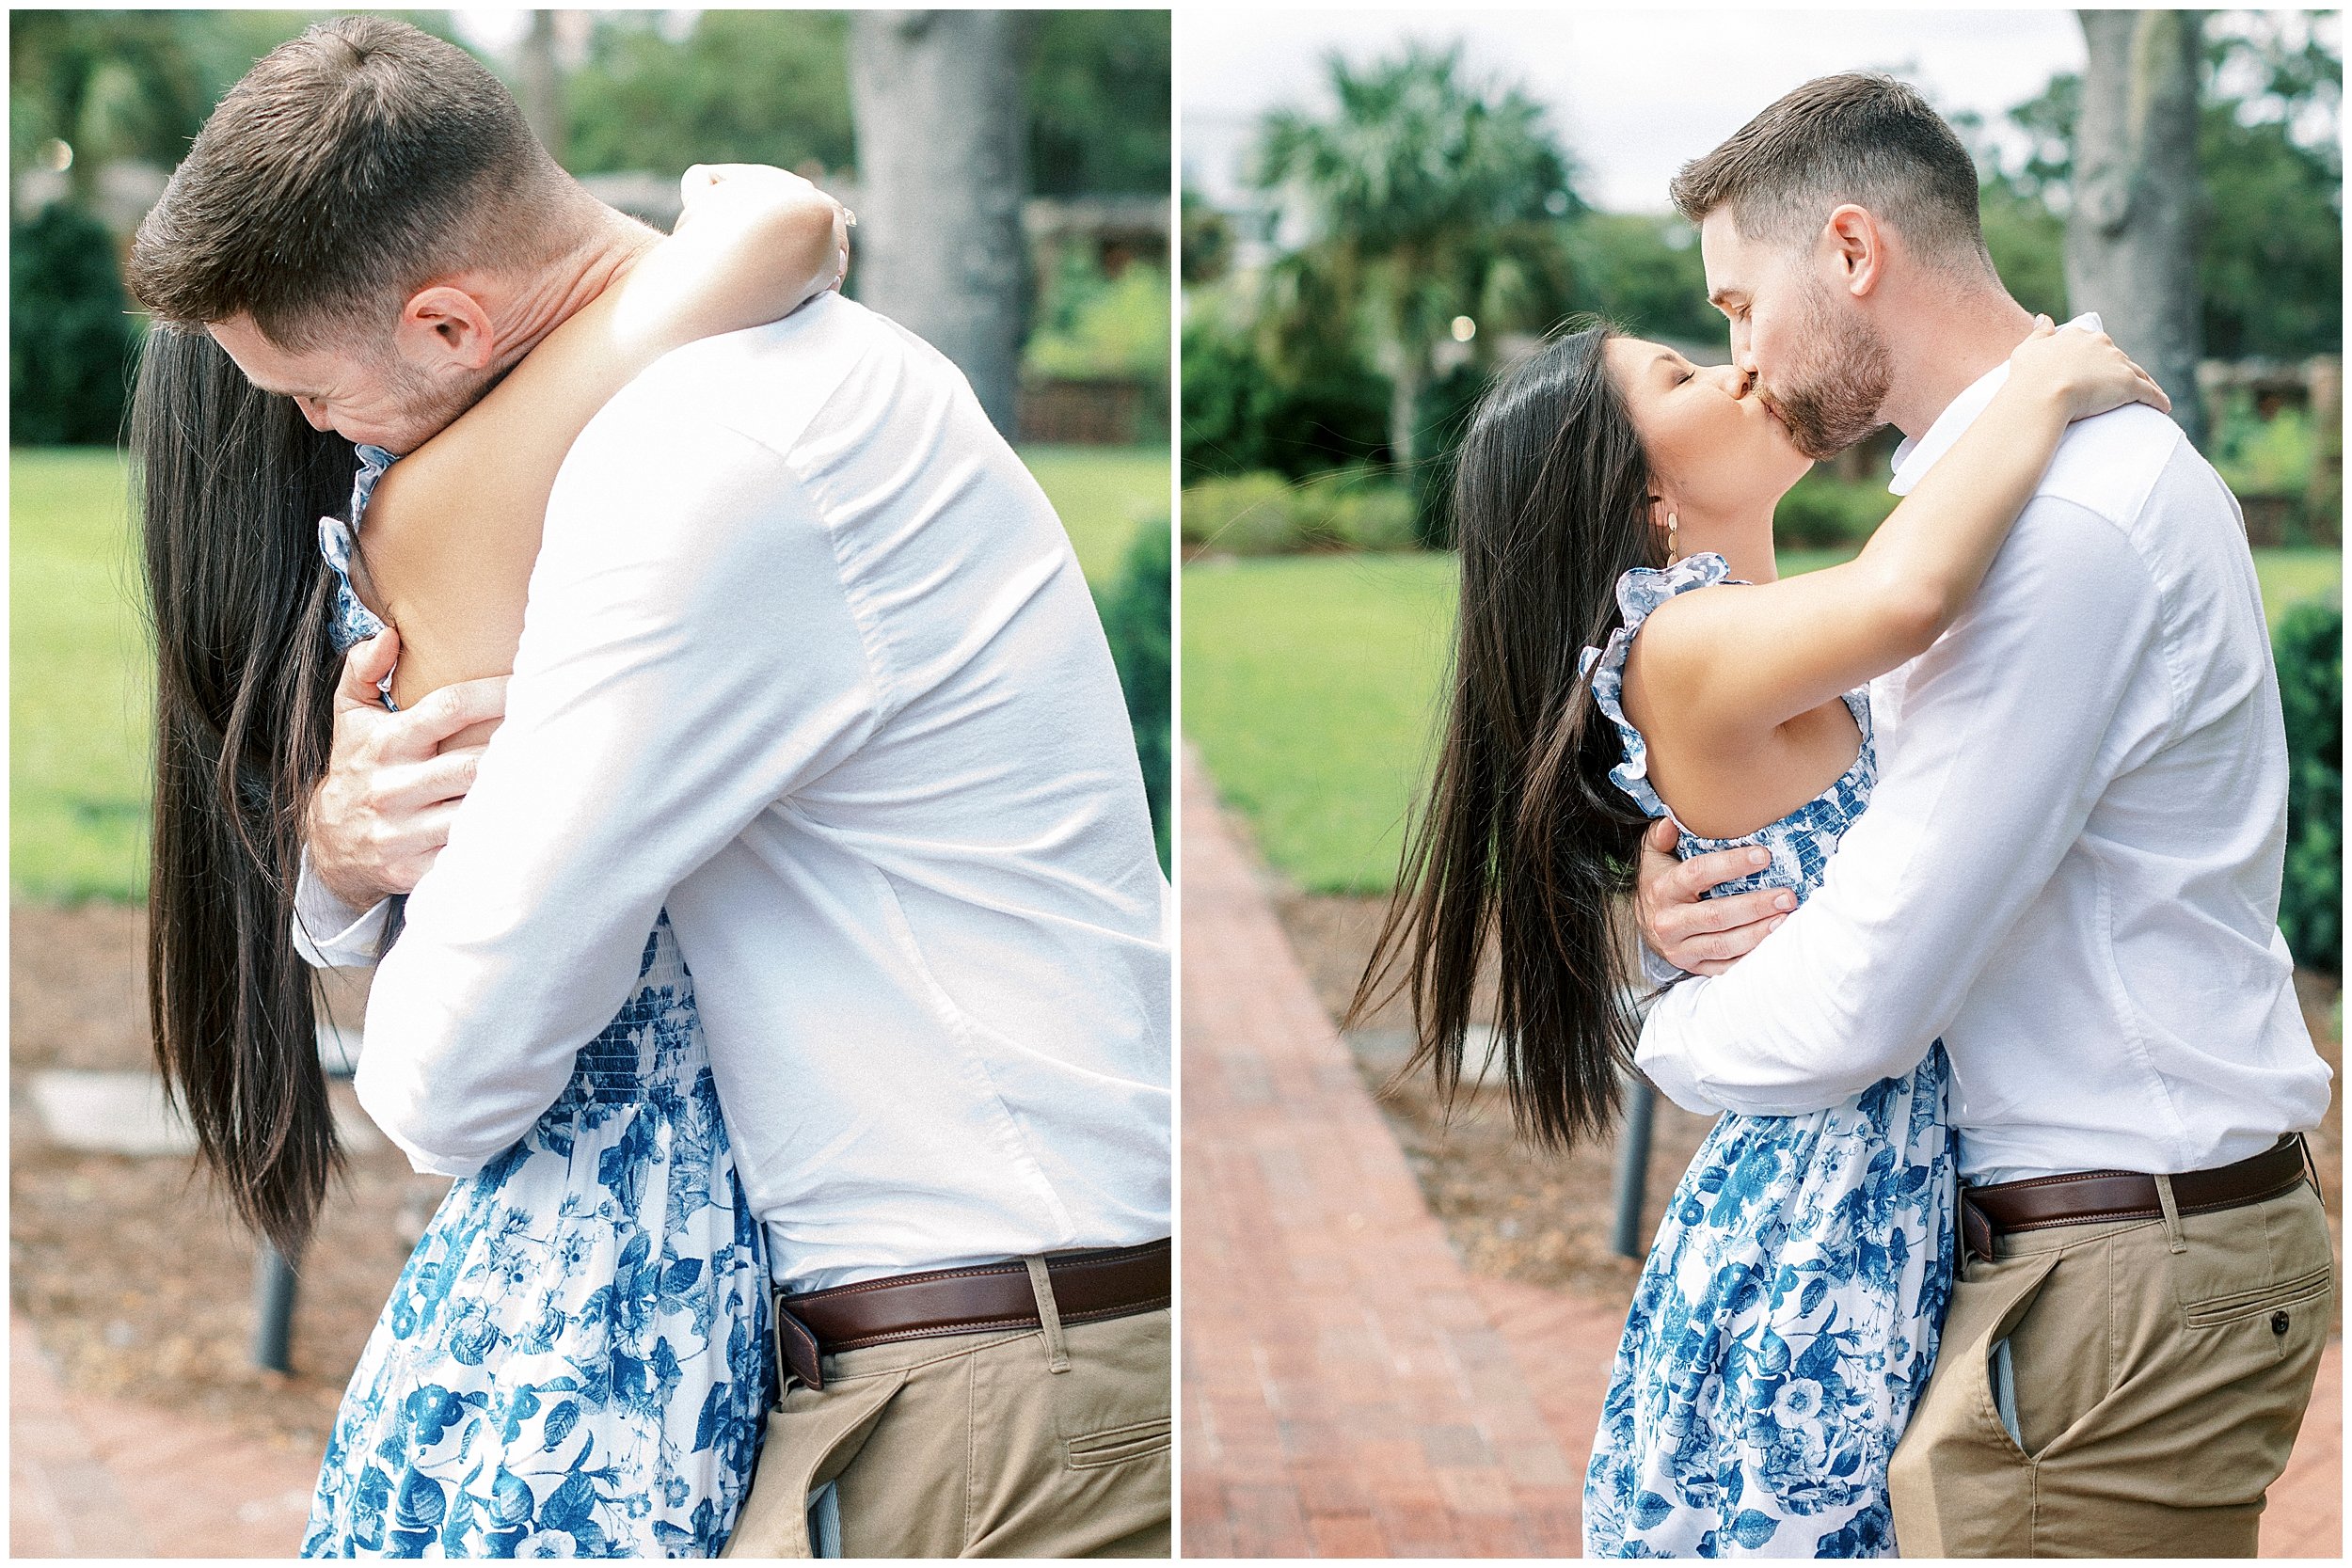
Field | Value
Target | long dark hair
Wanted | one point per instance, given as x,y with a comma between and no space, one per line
232,482
1524,842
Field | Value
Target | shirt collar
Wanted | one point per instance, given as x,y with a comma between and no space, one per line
1919,453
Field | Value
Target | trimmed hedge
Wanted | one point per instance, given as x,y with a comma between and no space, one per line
2308,647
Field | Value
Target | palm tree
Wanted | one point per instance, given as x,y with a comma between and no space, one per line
1425,199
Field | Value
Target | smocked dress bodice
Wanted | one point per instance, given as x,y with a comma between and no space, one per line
1786,1317
574,1362
1799,843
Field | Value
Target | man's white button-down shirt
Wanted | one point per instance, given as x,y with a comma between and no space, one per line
808,660
2070,868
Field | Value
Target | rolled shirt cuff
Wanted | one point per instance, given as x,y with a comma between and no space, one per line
329,933
1656,972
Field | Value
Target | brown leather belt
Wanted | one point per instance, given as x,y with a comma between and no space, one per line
2088,1196
1087,1287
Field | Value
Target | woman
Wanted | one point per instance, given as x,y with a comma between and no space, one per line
573,1360
1627,652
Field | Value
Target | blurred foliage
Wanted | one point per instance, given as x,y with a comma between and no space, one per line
1088,324
136,84
1425,196
1323,408
1825,513
1208,239
1136,610
1642,270
739,87
71,334
2309,647
1356,508
2263,457
1100,85
2272,165
659,90
772,87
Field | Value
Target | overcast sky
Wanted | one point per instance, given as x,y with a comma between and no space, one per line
1634,93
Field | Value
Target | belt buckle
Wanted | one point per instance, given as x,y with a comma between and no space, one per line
797,1349
1975,1228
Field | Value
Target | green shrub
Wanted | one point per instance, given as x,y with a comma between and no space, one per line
1135,614
1376,518
1239,416
2263,457
1826,512
1248,515
1091,325
70,332
1354,507
2308,647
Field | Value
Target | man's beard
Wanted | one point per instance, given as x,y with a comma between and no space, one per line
1833,399
429,406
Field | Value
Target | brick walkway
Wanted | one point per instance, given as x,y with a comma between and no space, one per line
92,1477
1346,1392
1349,1389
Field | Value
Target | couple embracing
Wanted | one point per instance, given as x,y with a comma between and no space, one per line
775,960
1949,877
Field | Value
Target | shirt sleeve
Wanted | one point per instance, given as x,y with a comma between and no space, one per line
2010,727
689,654
329,933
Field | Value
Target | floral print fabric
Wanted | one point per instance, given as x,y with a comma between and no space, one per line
354,621
574,1362
1786,1318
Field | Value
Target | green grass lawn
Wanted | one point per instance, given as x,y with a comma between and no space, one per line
1310,685
79,684
78,708
1104,495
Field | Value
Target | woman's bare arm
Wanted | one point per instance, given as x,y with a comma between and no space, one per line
453,532
1734,663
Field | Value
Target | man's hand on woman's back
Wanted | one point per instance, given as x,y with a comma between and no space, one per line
395,779
1689,930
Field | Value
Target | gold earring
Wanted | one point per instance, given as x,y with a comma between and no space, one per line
1674,543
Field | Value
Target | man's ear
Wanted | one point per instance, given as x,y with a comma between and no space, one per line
1854,245
444,326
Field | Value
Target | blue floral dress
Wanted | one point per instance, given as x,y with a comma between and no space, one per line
1786,1318
575,1360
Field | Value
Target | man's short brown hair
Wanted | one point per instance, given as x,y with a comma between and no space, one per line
1860,137
349,168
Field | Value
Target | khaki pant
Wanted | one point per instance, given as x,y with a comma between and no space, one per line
974,1446
2161,1369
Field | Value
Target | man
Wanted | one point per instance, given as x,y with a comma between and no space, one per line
807,661
2069,872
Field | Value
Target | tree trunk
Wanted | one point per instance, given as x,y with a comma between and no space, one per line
1406,381
941,168
542,85
2131,238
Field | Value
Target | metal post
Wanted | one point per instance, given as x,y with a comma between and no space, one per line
273,1309
1634,1169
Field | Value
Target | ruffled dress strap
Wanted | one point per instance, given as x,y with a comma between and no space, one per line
1640,592
353,621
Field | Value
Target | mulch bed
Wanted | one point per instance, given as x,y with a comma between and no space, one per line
136,1281
1545,1219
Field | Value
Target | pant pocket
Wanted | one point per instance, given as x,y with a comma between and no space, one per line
1093,1450
1959,1481
1114,1402
811,1438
